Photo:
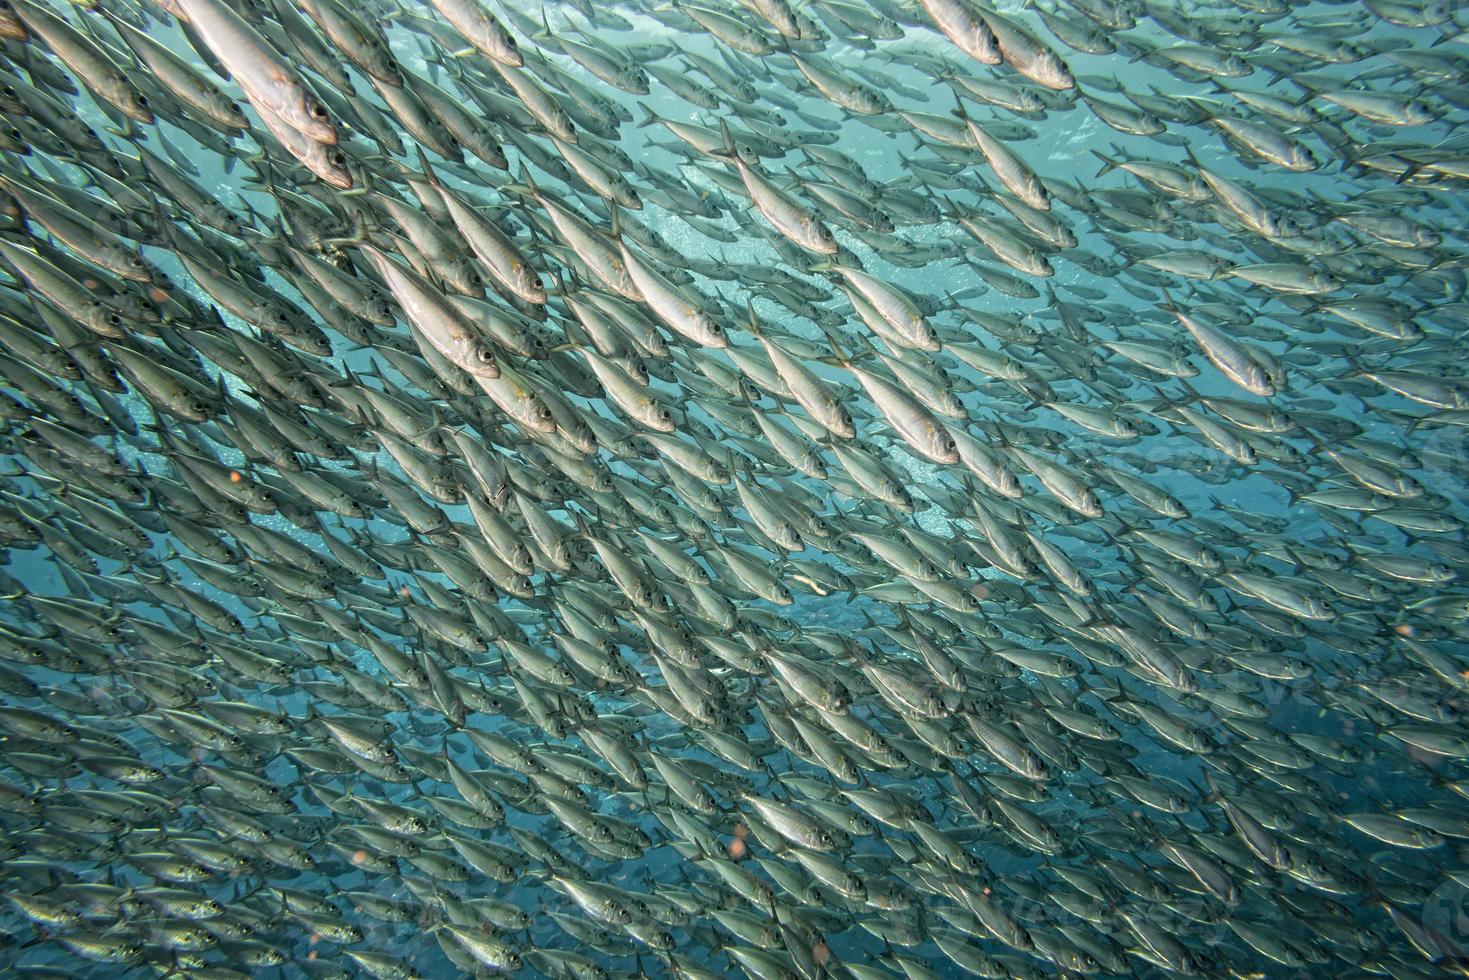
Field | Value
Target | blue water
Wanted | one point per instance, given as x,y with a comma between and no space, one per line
1091,299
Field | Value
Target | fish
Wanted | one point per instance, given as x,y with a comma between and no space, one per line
773,506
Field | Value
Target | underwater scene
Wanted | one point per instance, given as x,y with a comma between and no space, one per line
696,488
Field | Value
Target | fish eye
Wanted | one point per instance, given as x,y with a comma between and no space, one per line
337,158
511,42
716,330
543,413
664,415
484,356
114,319
140,100
318,112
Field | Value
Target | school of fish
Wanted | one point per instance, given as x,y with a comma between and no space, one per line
783,488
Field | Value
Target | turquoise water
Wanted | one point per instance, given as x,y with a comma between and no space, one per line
619,656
